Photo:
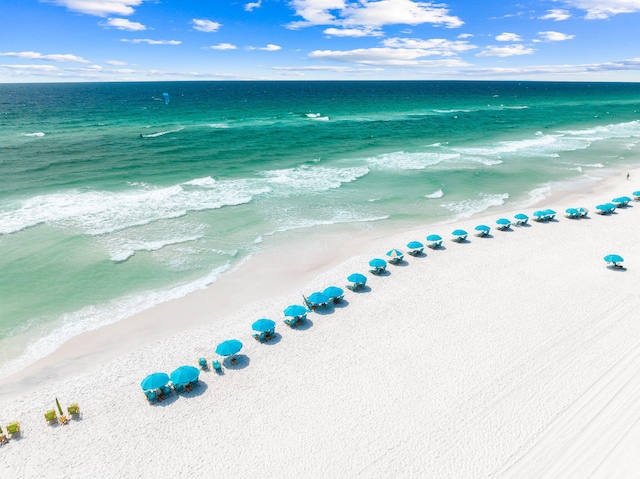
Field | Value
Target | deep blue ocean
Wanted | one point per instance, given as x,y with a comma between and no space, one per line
114,198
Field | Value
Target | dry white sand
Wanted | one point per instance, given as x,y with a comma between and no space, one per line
516,355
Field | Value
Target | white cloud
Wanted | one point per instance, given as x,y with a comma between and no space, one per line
207,26
580,69
433,46
506,51
329,68
556,14
352,32
601,9
100,8
370,13
223,46
124,24
151,42
404,57
269,48
249,7
465,35
41,68
554,37
56,57
508,37
115,63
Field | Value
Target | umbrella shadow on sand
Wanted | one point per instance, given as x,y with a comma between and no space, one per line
275,339
241,361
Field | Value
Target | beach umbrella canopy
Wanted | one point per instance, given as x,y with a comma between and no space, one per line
521,216
621,199
613,258
357,278
333,292
415,245
572,211
503,221
228,347
395,253
611,206
434,238
482,228
154,381
636,193
377,263
184,375
602,208
318,298
263,325
539,213
295,310
583,211
549,212
459,233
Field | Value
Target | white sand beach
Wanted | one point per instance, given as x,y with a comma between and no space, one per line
515,355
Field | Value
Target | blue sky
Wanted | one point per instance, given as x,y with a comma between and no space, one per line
131,40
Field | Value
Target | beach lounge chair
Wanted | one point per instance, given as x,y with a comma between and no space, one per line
152,396
203,363
73,410
3,438
216,366
50,416
13,429
166,391
293,322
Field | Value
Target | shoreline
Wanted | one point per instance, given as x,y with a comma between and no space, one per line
514,355
266,277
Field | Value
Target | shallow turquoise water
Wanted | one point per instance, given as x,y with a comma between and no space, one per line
112,201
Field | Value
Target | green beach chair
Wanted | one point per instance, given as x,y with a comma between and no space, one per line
74,409
13,428
50,416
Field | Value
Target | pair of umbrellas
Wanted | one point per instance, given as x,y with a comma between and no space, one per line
182,375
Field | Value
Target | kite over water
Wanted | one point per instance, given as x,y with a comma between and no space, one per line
166,98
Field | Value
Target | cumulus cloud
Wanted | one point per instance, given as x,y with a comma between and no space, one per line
404,57
100,8
553,37
269,48
431,47
55,57
600,9
203,25
151,42
465,35
223,46
328,68
370,13
506,51
249,7
508,37
352,32
124,24
556,14
115,62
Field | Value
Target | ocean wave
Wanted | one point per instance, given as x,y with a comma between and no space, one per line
38,134
436,194
123,250
221,126
402,160
317,117
615,130
100,212
93,317
161,133
470,207
340,218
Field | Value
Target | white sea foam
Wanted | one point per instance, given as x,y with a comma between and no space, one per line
402,160
220,126
313,115
339,218
308,178
96,316
470,207
122,250
207,181
161,133
38,134
436,194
